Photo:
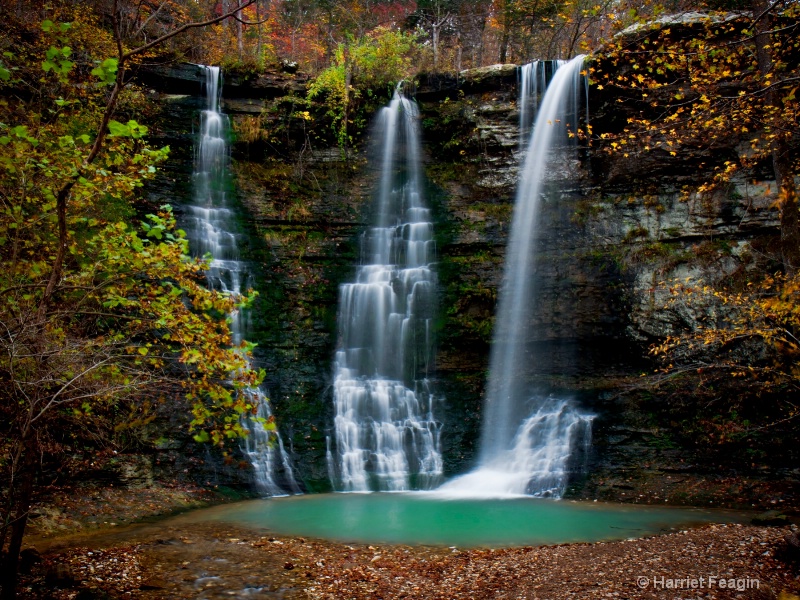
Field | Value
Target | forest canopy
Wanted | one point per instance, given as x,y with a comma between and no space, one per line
455,34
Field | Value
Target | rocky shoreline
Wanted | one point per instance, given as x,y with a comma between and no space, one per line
85,549
219,561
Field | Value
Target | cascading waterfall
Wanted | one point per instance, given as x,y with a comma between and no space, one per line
532,81
211,229
386,437
530,439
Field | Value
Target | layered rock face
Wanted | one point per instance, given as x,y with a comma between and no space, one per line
614,235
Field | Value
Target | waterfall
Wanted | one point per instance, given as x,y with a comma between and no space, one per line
531,439
532,81
211,229
386,437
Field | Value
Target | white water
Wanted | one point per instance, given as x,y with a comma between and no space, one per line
532,84
530,440
211,230
386,437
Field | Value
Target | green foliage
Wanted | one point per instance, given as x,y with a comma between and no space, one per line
127,321
362,69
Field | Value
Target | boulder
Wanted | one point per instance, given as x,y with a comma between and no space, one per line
770,518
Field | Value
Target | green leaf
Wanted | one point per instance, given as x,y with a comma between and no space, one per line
106,71
201,437
5,74
47,25
117,129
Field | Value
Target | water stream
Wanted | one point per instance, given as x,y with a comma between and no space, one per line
211,229
386,437
531,438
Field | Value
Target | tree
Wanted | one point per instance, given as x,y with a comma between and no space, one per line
703,83
95,316
721,88
737,351
361,70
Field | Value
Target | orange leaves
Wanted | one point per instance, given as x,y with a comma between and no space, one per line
748,333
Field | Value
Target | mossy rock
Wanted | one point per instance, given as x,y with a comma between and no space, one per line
771,518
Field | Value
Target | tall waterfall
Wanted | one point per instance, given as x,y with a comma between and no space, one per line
211,229
530,438
386,437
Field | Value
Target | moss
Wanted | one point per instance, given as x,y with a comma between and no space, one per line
635,233
586,210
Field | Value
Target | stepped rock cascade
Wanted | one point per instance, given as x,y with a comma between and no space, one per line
530,439
386,437
211,229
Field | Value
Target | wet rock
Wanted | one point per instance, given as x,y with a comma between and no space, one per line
188,79
771,518
60,576
136,471
792,548
28,558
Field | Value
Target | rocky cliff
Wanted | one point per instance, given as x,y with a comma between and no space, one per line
618,232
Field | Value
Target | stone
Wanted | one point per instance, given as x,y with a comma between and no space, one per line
770,518
59,575
28,558
685,19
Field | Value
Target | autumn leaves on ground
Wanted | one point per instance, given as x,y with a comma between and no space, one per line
170,560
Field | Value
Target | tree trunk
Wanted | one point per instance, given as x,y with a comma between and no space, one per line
348,80
435,36
781,163
505,40
790,214
259,44
239,36
19,518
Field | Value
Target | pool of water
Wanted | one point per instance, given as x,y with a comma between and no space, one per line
418,518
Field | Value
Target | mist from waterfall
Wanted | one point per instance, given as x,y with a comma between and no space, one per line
211,229
386,436
531,439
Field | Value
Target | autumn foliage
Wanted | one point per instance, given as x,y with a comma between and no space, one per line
718,90
103,315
